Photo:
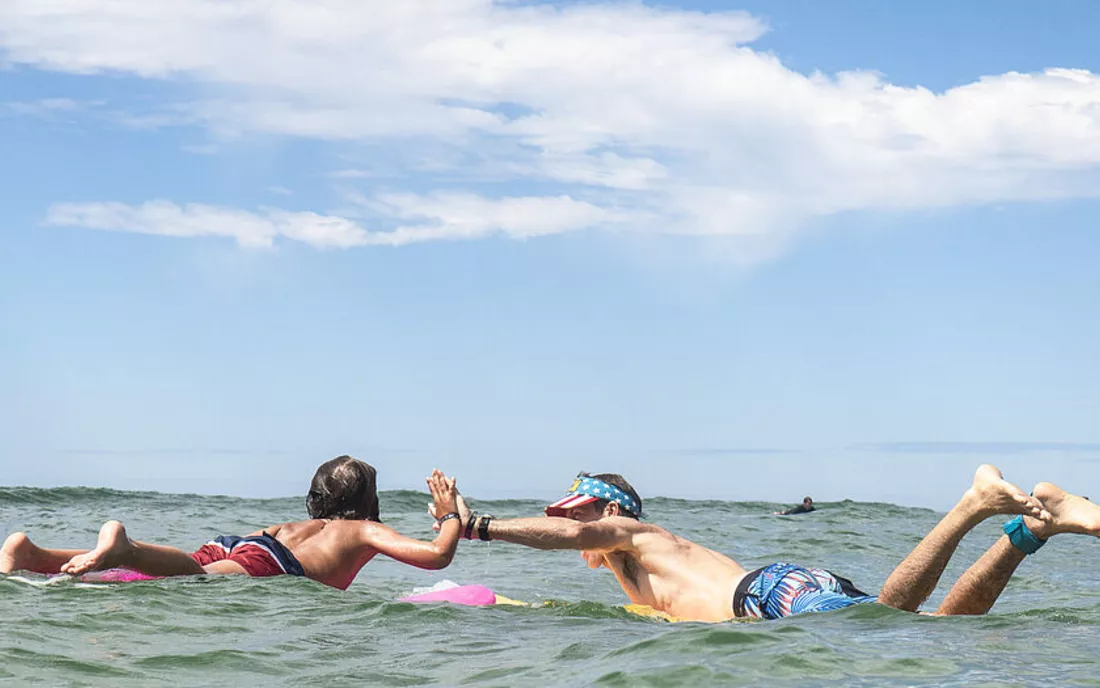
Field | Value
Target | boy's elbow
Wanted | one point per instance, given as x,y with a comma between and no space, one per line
442,560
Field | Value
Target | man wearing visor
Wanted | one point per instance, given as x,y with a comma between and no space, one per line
600,517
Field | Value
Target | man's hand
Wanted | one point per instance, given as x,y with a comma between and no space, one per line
595,559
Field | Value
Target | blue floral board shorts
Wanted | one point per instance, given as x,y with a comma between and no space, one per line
781,590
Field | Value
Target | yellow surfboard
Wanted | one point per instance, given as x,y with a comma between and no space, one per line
636,609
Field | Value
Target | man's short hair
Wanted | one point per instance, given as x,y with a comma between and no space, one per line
620,482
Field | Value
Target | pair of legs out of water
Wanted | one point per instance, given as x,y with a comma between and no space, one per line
1048,511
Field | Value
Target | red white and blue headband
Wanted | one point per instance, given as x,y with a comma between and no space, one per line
586,490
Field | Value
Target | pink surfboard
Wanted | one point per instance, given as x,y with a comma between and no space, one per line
117,576
469,595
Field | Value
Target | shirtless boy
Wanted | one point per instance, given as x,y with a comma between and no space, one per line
599,517
343,533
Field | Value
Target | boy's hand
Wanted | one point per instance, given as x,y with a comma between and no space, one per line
460,506
444,494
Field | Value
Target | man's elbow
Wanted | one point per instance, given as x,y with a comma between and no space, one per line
586,536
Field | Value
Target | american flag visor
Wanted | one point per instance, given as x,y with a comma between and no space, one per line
586,490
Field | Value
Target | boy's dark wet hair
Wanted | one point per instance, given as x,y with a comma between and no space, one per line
344,488
621,483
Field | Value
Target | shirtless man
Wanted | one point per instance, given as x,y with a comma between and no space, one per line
599,516
344,532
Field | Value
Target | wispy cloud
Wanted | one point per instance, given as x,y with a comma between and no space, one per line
253,230
724,451
41,107
280,191
980,447
348,174
417,218
666,114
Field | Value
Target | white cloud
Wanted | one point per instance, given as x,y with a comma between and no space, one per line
167,219
466,216
280,191
46,108
664,115
36,107
417,219
348,174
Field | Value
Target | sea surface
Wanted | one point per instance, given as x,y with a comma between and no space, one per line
233,631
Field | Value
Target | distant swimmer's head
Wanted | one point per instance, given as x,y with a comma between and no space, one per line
592,497
344,488
808,501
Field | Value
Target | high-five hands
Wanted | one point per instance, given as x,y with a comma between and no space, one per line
444,494
437,511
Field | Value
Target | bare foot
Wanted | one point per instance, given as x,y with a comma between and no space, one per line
110,551
14,553
1071,514
991,494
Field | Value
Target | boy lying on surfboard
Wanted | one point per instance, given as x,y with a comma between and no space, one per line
343,533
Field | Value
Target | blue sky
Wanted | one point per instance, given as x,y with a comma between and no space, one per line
732,250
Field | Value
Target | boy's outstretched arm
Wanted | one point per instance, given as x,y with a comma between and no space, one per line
436,554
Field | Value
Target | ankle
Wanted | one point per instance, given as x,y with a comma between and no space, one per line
970,511
1022,536
1040,529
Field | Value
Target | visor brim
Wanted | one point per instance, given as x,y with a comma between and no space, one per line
563,505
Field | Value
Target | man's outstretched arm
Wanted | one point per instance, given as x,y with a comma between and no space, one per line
563,533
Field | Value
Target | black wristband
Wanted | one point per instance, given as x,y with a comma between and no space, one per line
483,528
468,533
450,516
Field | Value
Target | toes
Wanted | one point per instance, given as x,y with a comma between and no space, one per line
1030,502
75,567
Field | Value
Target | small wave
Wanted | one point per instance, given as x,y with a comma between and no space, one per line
414,500
69,496
40,496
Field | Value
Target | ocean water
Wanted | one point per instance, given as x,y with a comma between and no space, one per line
233,631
